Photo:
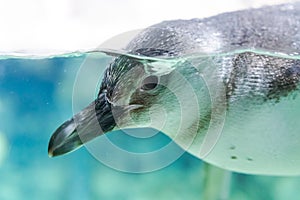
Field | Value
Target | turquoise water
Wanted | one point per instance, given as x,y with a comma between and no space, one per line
37,95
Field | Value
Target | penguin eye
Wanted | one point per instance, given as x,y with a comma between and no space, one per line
149,83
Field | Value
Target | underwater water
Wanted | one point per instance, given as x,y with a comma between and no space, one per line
37,95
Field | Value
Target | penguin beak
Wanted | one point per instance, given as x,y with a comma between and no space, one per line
94,120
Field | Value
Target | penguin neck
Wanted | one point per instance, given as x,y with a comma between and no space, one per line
189,118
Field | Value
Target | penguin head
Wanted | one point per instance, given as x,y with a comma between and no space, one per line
134,93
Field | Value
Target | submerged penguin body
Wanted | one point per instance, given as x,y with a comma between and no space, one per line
237,110
261,134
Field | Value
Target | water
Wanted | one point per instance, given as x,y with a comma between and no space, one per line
37,95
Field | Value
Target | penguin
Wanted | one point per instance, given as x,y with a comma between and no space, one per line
226,88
